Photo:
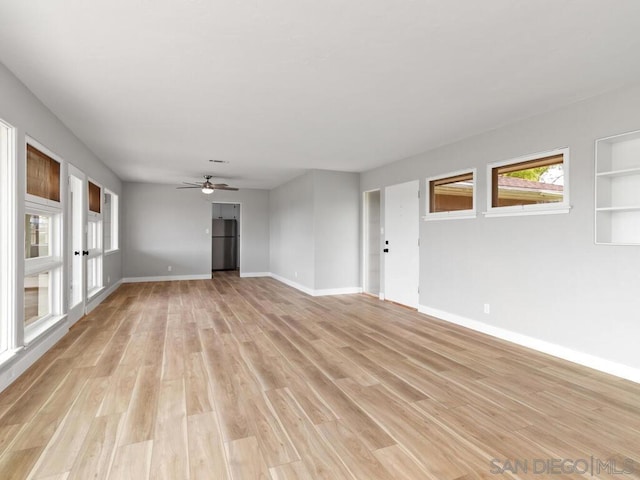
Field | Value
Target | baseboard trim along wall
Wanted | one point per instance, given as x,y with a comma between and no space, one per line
254,274
316,293
28,355
581,358
167,278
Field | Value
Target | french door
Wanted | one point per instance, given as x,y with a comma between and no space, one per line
77,244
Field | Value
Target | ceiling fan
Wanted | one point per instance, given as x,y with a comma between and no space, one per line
207,186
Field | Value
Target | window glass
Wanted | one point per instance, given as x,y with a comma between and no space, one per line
94,274
94,234
110,221
451,193
37,297
535,181
94,197
43,175
37,230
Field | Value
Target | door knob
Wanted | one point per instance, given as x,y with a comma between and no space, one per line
76,252
85,252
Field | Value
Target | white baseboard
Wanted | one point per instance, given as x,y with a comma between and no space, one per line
167,278
316,293
337,291
581,358
254,274
27,356
296,285
100,297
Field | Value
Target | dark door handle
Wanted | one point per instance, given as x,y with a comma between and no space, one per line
386,250
76,252
85,252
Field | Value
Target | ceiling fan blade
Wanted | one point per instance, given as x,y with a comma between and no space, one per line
215,187
192,184
195,186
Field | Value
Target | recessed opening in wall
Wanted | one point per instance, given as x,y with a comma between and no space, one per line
371,250
225,236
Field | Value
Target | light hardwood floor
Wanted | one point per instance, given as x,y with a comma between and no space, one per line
250,379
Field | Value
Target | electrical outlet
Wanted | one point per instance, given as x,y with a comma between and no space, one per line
487,308
108,280
169,268
295,274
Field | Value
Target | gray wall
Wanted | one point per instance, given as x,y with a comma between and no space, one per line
291,231
336,222
542,275
314,230
20,108
166,227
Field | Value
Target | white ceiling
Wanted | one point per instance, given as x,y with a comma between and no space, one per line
156,88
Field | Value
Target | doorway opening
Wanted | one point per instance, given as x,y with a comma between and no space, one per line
225,237
371,250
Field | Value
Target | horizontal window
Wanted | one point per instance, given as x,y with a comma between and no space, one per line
43,175
530,184
451,196
94,197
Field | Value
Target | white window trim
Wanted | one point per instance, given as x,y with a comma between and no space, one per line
452,214
8,257
115,222
534,209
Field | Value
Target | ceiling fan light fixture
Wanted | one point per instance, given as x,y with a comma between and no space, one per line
207,187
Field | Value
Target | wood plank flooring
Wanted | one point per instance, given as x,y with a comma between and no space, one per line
249,379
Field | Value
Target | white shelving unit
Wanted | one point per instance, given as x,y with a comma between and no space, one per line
618,189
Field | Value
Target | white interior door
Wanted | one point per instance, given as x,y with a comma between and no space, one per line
77,244
401,265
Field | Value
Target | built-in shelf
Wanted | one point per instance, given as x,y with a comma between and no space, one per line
620,173
617,201
618,209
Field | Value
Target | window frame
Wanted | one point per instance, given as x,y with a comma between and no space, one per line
114,221
8,243
96,253
452,214
531,209
53,263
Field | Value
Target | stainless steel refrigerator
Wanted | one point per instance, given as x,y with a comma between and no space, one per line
224,244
